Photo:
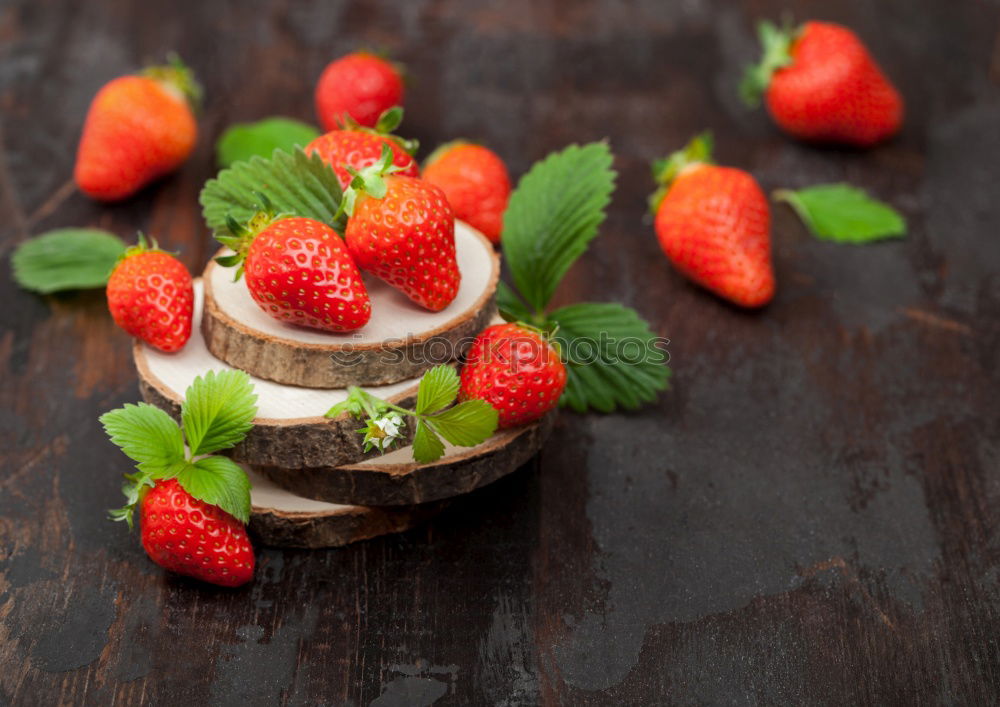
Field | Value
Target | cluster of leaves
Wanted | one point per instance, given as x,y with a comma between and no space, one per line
467,424
217,413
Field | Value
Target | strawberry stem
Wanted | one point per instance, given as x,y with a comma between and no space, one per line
777,45
665,171
178,77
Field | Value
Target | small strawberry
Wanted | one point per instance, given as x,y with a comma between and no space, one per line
356,148
138,128
515,370
475,180
402,229
821,84
194,538
151,296
298,271
714,225
359,85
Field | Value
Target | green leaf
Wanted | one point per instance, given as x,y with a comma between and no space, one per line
467,424
218,411
147,435
553,215
295,184
427,446
245,140
66,259
614,360
512,308
221,482
438,388
842,213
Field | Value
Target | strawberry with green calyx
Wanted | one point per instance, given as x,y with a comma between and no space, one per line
193,504
466,424
151,296
138,128
713,223
360,86
517,370
356,147
298,271
821,84
402,230
475,180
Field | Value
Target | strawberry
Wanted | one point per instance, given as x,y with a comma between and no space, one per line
515,370
194,538
402,229
357,149
361,86
298,271
475,181
138,128
150,295
714,225
821,84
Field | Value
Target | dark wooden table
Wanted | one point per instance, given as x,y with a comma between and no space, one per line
810,515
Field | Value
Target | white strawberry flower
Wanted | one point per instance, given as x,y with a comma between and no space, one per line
383,431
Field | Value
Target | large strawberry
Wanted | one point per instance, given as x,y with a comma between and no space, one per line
298,271
515,370
361,86
151,296
138,128
402,229
714,225
475,180
359,148
821,84
194,538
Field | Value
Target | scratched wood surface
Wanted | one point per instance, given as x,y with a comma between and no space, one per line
809,516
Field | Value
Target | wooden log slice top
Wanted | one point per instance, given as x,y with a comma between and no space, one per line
401,341
289,431
282,519
396,480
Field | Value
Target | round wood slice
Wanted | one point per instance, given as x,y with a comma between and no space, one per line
396,480
290,430
282,519
401,341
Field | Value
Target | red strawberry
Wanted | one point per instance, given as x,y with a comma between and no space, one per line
138,128
714,225
358,149
193,538
151,296
407,238
516,371
821,84
361,86
475,181
299,271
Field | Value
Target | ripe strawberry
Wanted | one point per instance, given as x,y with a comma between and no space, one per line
516,371
194,538
358,149
359,85
714,225
475,181
150,295
138,128
299,271
821,84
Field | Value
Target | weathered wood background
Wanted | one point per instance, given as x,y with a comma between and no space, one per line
809,516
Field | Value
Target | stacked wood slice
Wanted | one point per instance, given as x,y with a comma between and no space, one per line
313,484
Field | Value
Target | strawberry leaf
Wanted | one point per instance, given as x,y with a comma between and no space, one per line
438,388
218,411
245,140
147,435
66,259
296,184
613,358
221,482
467,424
427,446
842,213
553,215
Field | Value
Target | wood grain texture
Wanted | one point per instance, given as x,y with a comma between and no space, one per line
809,516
